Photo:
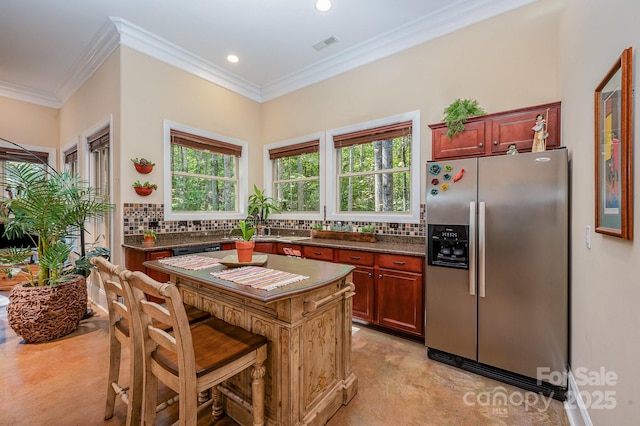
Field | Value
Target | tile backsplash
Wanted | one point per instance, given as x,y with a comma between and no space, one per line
139,216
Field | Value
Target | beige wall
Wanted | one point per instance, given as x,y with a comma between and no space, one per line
606,288
29,124
506,62
153,91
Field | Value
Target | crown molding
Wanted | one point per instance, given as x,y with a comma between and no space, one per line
117,31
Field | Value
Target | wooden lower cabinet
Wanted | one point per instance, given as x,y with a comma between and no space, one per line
400,298
133,260
389,290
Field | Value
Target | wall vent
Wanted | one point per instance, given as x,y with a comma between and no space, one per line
325,43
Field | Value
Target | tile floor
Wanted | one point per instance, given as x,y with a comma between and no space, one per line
64,383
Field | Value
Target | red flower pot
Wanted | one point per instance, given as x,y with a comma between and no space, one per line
141,190
144,169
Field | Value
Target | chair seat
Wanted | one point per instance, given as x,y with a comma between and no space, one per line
194,315
215,344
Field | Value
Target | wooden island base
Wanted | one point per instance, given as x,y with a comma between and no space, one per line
308,324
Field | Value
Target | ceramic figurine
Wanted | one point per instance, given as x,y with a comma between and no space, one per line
540,135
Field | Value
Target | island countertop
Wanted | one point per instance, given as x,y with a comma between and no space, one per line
319,274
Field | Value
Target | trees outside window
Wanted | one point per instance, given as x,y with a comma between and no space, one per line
296,177
204,176
374,171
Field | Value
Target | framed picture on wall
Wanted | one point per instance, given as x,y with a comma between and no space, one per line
613,150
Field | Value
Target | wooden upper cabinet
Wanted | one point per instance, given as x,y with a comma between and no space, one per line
492,134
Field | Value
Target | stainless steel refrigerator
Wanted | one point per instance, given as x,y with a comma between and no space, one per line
497,267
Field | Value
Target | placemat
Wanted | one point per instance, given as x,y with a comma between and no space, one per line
259,277
193,262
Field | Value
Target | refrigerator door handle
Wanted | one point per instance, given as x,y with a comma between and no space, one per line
482,245
472,248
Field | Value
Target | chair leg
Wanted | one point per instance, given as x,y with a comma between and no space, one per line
114,373
257,392
150,396
216,406
136,380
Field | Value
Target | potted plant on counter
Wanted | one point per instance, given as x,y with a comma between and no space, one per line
49,208
143,165
245,247
149,236
144,189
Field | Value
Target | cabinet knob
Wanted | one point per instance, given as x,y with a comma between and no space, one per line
495,142
481,145
380,276
370,274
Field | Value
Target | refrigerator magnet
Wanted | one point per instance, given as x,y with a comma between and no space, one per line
446,176
459,175
448,168
444,187
434,192
435,181
434,169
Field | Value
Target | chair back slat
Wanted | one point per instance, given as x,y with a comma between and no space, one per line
173,314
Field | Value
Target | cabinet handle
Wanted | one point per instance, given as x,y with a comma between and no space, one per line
355,257
397,262
481,145
311,306
317,253
495,142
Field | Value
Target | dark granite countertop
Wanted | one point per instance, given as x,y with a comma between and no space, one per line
413,246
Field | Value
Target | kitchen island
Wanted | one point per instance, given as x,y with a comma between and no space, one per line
308,324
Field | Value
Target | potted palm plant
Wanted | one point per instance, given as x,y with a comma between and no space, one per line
245,246
50,208
260,207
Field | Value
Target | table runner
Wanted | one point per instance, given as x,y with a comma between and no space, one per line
259,277
192,262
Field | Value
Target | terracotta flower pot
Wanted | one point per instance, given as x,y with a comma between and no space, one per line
148,240
245,250
144,169
141,190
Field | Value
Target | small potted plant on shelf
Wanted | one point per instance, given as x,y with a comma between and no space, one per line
143,165
149,236
144,189
245,247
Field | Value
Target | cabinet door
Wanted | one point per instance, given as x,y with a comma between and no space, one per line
264,247
470,143
400,297
318,253
363,300
155,255
517,128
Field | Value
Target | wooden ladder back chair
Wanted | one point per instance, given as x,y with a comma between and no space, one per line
120,335
192,360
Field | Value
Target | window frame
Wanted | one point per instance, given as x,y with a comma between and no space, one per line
106,222
268,176
332,202
243,170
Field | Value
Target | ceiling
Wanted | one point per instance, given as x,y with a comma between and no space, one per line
49,48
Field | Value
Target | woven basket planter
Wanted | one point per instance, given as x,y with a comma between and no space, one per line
41,314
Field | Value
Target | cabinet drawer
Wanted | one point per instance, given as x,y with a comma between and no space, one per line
318,253
354,257
403,263
281,246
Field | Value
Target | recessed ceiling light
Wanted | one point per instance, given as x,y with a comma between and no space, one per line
323,5
232,58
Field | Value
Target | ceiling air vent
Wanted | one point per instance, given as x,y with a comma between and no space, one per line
325,43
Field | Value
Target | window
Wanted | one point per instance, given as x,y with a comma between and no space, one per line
100,178
15,155
375,171
204,175
71,161
294,169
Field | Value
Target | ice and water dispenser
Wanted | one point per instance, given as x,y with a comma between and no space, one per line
449,246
